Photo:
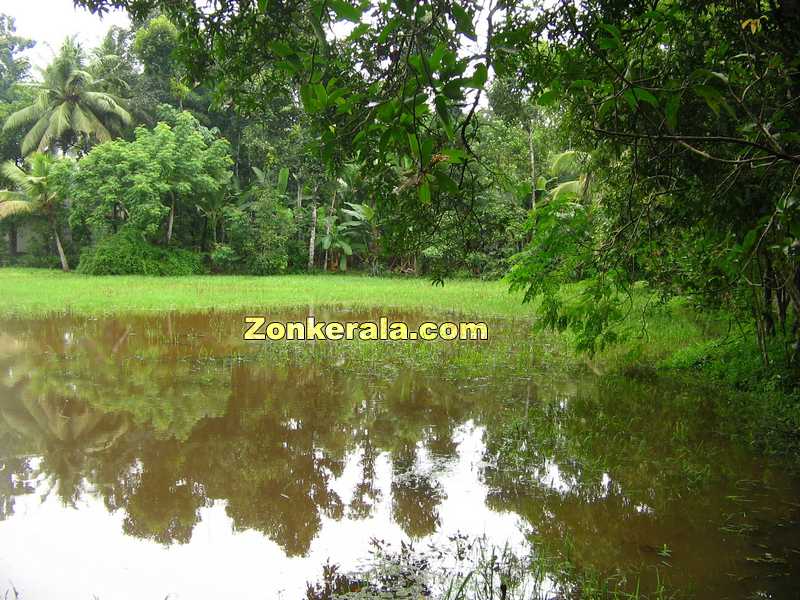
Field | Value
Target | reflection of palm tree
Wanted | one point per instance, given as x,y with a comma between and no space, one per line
271,440
161,504
65,431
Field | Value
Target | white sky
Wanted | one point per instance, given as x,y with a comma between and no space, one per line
48,22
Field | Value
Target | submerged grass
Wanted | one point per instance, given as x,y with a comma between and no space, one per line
476,570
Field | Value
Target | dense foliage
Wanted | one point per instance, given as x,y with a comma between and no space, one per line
128,253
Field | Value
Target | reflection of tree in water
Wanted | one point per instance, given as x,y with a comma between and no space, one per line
619,468
365,493
269,440
67,432
415,495
160,502
14,473
131,367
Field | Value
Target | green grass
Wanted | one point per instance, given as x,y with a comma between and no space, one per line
35,292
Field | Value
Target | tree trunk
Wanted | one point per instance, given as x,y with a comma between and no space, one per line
299,201
298,207
204,235
171,219
533,165
328,226
61,255
312,236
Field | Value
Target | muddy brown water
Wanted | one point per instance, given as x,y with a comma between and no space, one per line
146,457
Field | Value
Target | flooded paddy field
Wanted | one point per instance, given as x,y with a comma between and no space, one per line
155,456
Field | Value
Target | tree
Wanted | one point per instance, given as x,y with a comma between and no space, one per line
14,70
690,113
13,67
68,109
395,95
37,191
145,183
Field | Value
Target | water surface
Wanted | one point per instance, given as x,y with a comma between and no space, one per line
147,456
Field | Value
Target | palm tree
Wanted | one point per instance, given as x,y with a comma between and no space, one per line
68,108
35,193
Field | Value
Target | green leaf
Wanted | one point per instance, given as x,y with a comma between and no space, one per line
480,76
281,48
644,96
547,98
453,89
446,183
425,193
671,111
287,65
455,155
435,60
427,150
346,11
322,95
463,21
711,95
613,30
388,29
608,43
283,180
444,116
307,98
358,32
413,144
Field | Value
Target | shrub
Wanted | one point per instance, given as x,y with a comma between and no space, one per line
224,259
128,253
257,238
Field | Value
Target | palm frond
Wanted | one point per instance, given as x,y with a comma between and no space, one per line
9,208
87,122
568,188
79,79
23,116
566,162
51,134
61,119
34,136
14,174
102,103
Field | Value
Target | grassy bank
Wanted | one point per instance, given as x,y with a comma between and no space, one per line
32,292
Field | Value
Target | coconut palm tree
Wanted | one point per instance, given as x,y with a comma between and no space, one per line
35,193
68,108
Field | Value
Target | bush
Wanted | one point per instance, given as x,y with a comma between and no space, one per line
224,259
257,238
127,253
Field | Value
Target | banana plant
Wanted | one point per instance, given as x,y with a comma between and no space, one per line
340,238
